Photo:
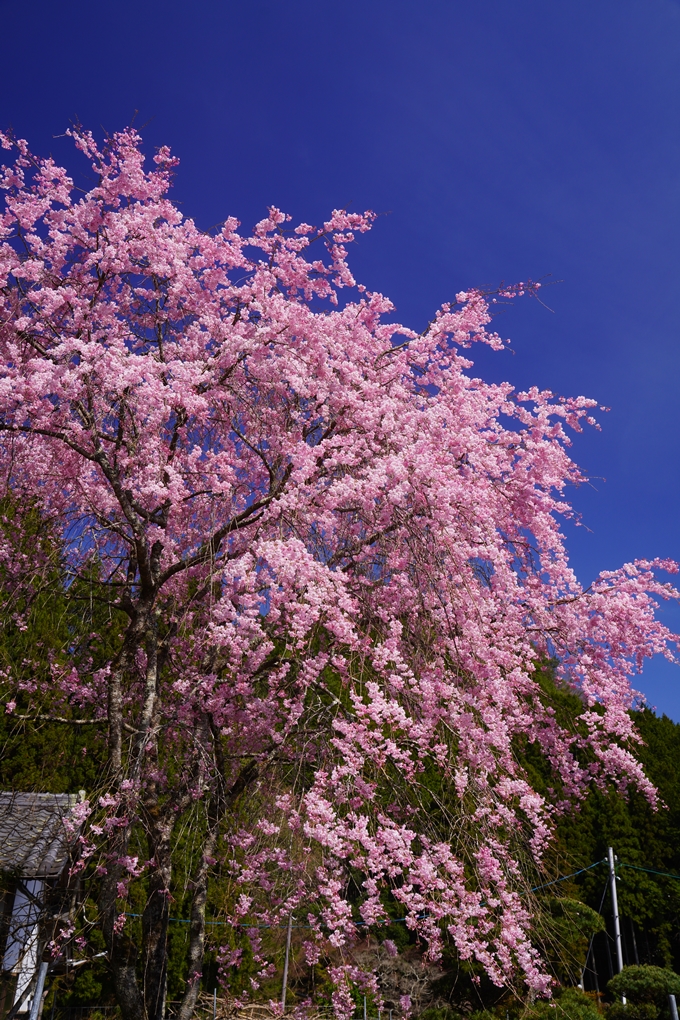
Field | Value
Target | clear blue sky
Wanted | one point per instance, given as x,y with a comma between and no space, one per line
505,138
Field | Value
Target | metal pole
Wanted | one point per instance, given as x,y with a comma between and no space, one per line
364,1007
632,931
285,963
615,909
582,983
674,1007
38,993
214,1004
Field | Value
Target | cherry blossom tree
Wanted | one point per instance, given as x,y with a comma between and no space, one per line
338,558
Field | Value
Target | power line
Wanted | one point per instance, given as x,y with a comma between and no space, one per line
563,878
383,921
400,920
650,871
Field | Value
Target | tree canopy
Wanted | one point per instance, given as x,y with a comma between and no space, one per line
322,561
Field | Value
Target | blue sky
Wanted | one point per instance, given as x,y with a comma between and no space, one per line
503,140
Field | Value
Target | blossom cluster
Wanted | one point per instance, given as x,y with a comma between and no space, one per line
353,545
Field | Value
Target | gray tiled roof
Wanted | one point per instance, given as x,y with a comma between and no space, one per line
33,839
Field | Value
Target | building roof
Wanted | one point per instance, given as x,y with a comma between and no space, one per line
33,839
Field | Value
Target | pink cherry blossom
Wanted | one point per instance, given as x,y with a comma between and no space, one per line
340,555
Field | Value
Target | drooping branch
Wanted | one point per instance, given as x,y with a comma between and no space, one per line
43,717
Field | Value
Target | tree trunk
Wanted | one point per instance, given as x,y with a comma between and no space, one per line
197,929
155,921
217,807
121,948
122,951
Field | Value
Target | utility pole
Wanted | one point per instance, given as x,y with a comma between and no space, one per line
615,909
285,963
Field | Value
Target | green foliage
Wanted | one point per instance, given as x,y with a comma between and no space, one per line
440,1013
566,1004
565,927
87,986
570,1004
645,984
57,624
642,837
631,1011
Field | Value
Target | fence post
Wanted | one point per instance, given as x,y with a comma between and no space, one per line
38,993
